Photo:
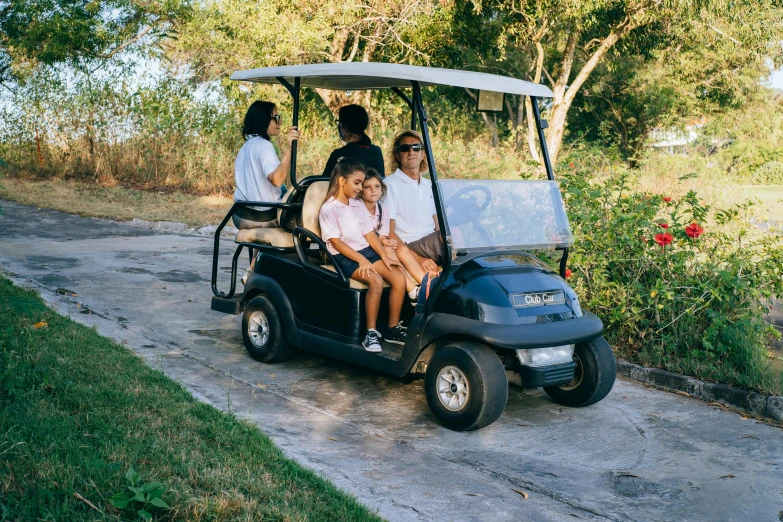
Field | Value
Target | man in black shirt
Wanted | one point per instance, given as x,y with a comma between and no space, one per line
353,121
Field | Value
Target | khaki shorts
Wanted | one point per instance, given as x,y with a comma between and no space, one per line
429,246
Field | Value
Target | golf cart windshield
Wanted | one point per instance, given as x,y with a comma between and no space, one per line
527,215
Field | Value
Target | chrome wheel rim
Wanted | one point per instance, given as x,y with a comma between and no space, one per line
259,328
579,375
453,389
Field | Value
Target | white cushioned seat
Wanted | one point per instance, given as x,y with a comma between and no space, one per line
311,207
276,237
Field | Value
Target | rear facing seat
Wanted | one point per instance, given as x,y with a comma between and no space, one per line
274,236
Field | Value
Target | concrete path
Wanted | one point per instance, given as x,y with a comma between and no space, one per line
640,455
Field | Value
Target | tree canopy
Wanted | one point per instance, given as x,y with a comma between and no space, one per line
46,32
618,68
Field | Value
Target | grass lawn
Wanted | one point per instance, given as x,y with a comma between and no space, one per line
118,203
78,411
771,197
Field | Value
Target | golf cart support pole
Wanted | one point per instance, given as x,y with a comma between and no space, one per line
398,92
440,209
548,166
295,95
436,192
550,174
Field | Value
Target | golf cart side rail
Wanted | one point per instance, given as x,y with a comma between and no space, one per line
514,336
216,251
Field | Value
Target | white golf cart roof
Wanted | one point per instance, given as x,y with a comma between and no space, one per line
357,76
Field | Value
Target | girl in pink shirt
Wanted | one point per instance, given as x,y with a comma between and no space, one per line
373,189
350,237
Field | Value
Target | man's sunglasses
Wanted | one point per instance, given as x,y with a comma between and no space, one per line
407,147
278,119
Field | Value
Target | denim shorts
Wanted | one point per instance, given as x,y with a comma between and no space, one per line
349,266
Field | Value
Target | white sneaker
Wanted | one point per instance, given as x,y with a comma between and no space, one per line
413,295
372,341
247,274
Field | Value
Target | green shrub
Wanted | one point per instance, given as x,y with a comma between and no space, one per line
770,173
678,284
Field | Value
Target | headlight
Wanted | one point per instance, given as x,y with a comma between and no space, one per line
546,356
576,307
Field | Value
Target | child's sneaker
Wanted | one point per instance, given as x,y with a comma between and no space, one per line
397,334
247,274
372,341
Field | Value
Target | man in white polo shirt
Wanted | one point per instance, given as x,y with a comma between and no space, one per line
410,203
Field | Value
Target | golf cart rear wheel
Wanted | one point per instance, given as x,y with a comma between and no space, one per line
262,331
594,375
466,386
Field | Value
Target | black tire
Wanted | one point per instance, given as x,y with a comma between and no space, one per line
272,347
594,377
486,380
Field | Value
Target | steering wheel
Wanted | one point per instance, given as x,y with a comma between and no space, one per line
466,209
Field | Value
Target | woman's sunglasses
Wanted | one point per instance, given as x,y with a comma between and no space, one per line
406,147
278,119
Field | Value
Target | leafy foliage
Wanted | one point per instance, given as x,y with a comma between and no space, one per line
143,498
48,32
673,294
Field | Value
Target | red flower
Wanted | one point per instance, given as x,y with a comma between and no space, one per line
568,273
571,165
667,199
663,225
664,239
694,230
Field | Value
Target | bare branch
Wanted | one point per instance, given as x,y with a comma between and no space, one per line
548,77
127,43
356,39
723,34
618,32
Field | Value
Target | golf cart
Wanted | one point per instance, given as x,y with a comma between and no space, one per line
496,314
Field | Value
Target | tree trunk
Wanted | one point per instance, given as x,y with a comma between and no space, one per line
531,123
520,122
564,93
493,126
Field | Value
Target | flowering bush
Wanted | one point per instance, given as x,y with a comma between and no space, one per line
690,298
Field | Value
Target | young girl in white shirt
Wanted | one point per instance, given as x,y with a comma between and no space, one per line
373,189
350,237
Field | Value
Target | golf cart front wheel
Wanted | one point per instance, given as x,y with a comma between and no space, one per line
466,386
262,331
594,375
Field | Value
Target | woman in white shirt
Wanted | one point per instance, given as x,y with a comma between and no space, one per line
258,172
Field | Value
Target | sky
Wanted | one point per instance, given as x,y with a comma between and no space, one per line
776,79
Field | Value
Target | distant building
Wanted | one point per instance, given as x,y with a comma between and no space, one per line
675,140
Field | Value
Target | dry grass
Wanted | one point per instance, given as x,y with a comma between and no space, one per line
118,203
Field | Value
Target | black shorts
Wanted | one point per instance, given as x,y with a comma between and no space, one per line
349,266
